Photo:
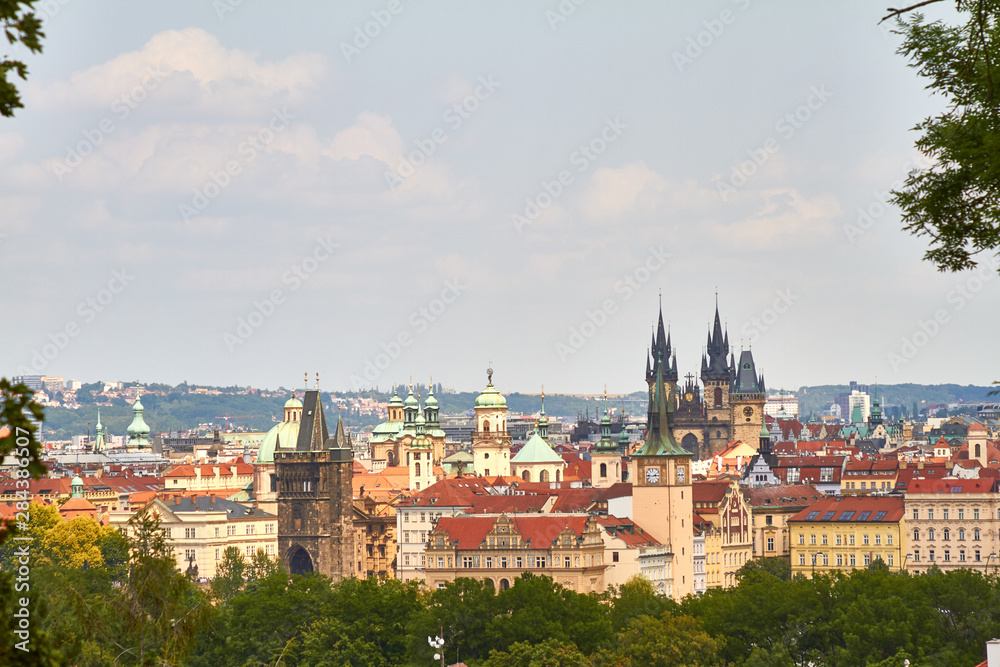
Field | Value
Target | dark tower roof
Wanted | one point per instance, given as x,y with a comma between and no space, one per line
661,349
660,423
313,432
714,365
746,380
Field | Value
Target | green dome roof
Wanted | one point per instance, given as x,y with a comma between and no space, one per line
76,481
293,403
764,432
395,400
282,437
138,427
431,402
411,400
491,398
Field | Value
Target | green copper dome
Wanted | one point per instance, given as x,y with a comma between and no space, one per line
431,402
293,403
411,400
395,401
138,427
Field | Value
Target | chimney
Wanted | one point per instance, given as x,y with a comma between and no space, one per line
993,653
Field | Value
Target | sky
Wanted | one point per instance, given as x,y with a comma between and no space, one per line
238,192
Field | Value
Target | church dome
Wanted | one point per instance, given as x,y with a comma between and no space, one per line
431,402
138,428
281,437
490,398
411,400
293,403
395,401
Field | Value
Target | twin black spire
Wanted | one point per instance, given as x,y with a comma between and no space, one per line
714,364
660,350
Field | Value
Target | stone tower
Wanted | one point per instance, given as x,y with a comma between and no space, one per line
747,396
716,377
315,498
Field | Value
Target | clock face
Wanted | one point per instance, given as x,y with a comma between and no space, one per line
748,411
652,475
688,396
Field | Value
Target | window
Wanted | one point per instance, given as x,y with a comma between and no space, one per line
888,539
826,559
930,533
864,539
840,560
947,534
216,531
868,559
862,486
961,556
249,550
961,514
890,563
189,533
489,561
406,560
517,562
406,536
825,541
770,544
614,556
189,555
802,559
916,534
851,540
853,560
947,555
768,520
423,561
944,516
961,533
216,553
406,517
878,539
812,539
566,561
839,539
975,514
916,556
975,555
802,538
975,534
930,555
251,529
930,515
440,562
916,514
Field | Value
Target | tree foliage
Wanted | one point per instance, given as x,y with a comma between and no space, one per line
956,201
20,25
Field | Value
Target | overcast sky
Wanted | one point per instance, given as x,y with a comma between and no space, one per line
238,192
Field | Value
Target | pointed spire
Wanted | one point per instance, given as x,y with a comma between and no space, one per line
543,421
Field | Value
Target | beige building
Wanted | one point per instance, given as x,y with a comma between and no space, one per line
726,524
770,509
844,534
629,551
200,528
229,477
500,548
953,523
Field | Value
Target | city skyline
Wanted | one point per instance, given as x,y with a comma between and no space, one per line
391,189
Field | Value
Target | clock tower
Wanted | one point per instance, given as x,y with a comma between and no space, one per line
747,396
661,490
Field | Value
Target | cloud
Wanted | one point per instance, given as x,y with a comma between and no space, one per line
191,70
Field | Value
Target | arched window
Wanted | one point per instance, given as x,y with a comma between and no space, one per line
504,584
930,533
718,397
975,534
604,470
543,476
947,534
557,475
916,534
297,517
486,426
416,468
961,533
526,476
978,452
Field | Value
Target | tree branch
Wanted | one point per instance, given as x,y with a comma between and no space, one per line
896,12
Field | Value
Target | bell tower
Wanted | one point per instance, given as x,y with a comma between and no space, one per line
661,491
716,377
747,397
490,441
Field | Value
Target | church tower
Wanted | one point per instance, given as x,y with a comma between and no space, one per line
138,430
661,490
605,460
716,377
747,396
420,457
316,498
660,352
490,441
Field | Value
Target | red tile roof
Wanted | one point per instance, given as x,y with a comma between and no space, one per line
783,495
952,486
627,531
538,530
839,505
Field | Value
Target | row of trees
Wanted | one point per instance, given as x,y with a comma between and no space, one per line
101,598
